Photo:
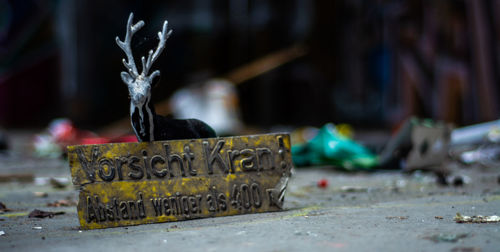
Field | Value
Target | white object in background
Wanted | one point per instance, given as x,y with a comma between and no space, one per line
215,102
473,134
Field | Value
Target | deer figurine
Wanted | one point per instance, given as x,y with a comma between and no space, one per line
147,125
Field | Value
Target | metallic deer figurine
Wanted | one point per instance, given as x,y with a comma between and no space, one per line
149,126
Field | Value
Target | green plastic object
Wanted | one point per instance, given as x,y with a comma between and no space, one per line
328,147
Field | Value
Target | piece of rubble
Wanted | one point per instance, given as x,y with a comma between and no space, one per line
20,177
43,214
476,219
322,183
3,208
57,184
397,217
353,189
466,249
61,203
446,237
41,194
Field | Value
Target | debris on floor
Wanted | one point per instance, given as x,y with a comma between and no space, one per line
353,189
446,237
20,177
420,144
397,217
430,141
466,249
3,208
2,232
37,228
57,184
41,194
61,203
329,147
323,183
43,214
476,219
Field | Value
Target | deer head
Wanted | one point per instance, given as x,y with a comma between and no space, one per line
139,85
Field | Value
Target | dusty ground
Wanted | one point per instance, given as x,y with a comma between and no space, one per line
380,211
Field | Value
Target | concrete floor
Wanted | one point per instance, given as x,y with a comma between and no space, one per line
380,211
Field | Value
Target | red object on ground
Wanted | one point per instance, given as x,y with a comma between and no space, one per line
323,183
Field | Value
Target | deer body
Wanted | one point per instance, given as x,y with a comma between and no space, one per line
147,125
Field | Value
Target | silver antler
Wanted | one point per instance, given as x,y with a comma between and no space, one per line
153,55
146,65
125,45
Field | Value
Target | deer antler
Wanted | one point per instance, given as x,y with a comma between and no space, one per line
125,45
153,55
146,64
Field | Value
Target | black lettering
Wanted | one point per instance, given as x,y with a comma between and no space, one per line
256,195
133,211
212,156
245,196
155,160
194,205
119,163
111,170
211,203
248,163
124,210
185,205
167,207
146,164
189,157
88,166
173,205
265,152
140,207
232,156
91,215
174,158
236,197
117,214
136,171
178,201
282,151
110,214
222,202
157,206
199,198
101,213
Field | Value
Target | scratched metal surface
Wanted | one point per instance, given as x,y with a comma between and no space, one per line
356,212
137,183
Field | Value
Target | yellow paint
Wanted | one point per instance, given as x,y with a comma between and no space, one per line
191,190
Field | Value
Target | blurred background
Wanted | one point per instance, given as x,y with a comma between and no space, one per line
367,63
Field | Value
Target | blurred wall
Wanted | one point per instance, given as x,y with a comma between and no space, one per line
369,63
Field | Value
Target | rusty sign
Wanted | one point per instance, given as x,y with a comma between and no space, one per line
137,183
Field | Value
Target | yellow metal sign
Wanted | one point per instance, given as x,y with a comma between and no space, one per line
136,183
